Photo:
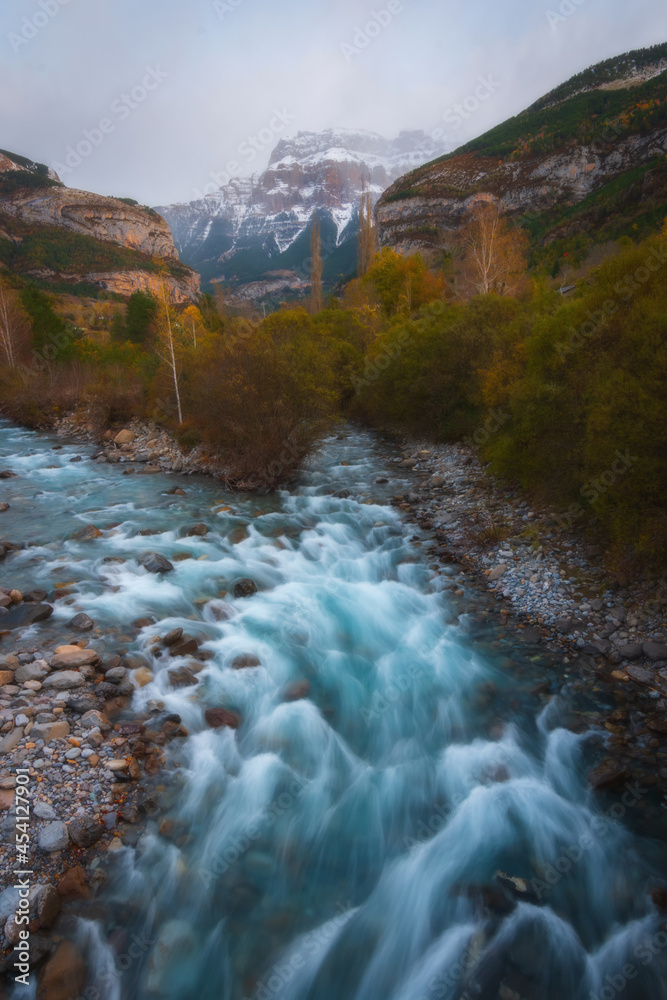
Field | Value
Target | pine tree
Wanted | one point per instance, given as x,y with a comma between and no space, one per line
367,233
316,301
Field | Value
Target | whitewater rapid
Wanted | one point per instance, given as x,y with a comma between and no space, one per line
343,844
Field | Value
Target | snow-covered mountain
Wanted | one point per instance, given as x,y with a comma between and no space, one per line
254,233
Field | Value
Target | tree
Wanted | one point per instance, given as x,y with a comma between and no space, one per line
367,233
14,327
316,301
165,346
193,323
494,253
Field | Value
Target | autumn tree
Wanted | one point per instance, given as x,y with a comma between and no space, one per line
193,325
316,301
367,233
494,253
14,327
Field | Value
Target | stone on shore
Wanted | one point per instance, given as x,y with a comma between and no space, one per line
64,680
608,774
53,837
84,831
124,437
74,659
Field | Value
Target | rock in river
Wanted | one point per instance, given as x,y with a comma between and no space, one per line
217,718
155,563
26,614
82,623
245,588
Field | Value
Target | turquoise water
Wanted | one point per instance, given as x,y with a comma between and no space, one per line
343,845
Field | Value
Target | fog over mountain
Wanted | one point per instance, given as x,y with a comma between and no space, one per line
185,90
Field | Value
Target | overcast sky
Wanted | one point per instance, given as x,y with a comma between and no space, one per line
186,88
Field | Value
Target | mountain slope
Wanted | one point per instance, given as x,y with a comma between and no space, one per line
589,156
52,233
254,231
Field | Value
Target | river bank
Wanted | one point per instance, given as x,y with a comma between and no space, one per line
554,584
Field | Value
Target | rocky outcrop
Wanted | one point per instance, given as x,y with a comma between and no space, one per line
90,214
34,204
544,162
124,282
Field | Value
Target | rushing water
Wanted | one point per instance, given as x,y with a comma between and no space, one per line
343,846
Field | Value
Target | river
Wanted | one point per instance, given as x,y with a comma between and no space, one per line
395,752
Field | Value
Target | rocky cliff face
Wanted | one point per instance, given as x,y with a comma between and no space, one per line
126,243
440,199
257,225
93,215
599,138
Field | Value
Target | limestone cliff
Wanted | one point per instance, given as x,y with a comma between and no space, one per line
583,159
57,233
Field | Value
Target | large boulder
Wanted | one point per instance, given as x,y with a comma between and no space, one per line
64,680
26,614
124,437
74,659
47,904
53,837
64,975
35,671
653,650
87,533
197,530
609,774
84,831
50,731
220,718
81,623
155,563
73,884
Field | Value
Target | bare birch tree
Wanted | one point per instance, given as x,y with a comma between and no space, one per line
494,253
166,348
14,327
